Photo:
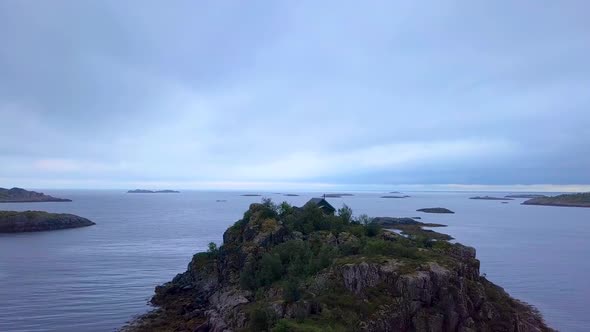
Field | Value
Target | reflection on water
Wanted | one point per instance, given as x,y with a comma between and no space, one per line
96,278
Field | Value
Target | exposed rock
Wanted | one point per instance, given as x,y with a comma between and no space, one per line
36,221
19,195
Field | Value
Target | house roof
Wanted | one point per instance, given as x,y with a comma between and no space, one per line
322,203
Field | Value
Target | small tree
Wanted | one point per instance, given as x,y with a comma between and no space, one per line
285,208
267,201
212,248
363,219
345,213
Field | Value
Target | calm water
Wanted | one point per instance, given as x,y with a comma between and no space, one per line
97,278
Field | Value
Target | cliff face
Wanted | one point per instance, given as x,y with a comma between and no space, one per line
19,195
35,221
270,276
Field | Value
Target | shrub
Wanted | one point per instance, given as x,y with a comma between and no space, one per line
260,320
363,219
269,204
388,248
285,209
372,229
291,291
270,270
345,213
212,249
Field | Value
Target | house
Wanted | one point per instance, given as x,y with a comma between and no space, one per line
322,204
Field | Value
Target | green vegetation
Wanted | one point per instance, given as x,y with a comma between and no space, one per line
318,241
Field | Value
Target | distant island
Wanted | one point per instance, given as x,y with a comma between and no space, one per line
571,200
411,228
290,195
144,191
336,195
525,196
285,268
19,195
251,195
36,221
491,198
435,210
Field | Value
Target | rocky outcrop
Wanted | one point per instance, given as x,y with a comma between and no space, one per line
36,221
19,195
429,288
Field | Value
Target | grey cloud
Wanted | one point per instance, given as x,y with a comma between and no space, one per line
193,91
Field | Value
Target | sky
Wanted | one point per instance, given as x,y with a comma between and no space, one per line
295,94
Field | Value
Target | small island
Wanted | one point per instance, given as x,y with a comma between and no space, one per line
525,196
571,200
251,195
290,195
144,191
411,228
395,196
435,210
36,221
336,195
19,195
286,268
491,198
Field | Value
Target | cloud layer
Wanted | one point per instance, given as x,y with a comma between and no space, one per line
195,94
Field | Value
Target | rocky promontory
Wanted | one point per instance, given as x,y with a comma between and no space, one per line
19,195
283,268
36,221
571,200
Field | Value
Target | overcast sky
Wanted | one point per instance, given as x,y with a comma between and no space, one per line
306,94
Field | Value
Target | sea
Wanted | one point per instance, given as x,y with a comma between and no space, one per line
100,277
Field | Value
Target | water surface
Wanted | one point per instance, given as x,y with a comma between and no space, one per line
97,278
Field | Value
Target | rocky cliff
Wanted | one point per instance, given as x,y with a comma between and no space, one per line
290,269
36,221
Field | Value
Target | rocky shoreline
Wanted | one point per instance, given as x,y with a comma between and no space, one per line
37,221
283,268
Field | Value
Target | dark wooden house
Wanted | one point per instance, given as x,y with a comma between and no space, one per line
322,204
